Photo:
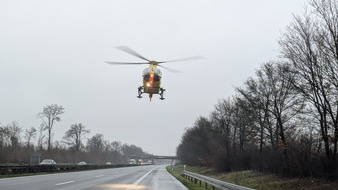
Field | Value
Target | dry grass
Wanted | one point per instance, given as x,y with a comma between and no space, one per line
256,180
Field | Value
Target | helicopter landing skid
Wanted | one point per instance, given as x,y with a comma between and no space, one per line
161,93
140,92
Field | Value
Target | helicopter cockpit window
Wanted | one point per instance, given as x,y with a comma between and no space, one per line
157,74
146,72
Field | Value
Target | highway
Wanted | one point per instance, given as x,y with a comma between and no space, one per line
130,178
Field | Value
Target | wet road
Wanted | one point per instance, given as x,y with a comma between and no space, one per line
131,178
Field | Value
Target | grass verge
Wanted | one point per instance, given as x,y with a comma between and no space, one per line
176,172
255,180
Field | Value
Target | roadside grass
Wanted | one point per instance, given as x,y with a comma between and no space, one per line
176,172
255,180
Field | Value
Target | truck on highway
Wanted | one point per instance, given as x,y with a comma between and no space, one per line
132,161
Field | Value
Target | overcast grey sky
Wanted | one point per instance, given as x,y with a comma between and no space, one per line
54,52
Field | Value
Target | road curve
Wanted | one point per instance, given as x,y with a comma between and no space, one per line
130,178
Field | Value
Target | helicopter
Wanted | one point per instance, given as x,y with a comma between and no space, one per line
152,75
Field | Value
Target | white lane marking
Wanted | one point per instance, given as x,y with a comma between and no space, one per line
141,178
99,175
63,183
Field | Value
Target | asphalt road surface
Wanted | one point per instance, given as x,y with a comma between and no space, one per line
152,177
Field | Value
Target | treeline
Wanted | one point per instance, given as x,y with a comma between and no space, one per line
18,145
283,120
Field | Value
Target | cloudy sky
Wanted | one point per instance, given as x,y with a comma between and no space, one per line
54,52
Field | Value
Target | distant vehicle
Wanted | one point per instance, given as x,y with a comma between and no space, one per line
108,163
132,161
140,162
149,162
151,75
47,162
82,163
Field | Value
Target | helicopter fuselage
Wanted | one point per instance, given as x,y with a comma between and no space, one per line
152,80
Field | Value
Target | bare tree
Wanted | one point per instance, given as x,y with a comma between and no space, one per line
4,134
290,107
195,146
49,116
311,44
244,122
96,143
222,118
132,150
117,146
286,103
14,133
41,137
29,135
75,135
257,92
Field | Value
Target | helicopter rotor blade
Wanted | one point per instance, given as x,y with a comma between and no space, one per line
132,52
125,63
184,59
169,69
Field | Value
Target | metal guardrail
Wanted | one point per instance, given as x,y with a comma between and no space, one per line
213,182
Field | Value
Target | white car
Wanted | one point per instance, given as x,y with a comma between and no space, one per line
47,162
82,163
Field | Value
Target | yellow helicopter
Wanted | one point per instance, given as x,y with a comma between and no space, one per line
151,75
